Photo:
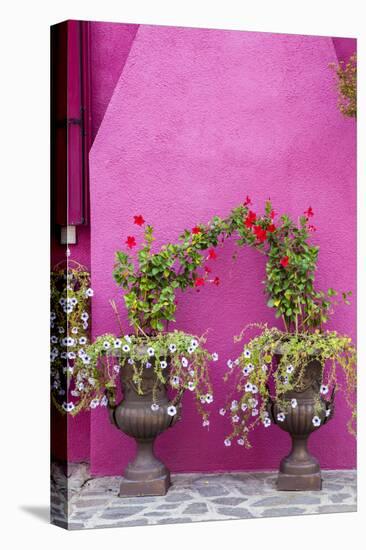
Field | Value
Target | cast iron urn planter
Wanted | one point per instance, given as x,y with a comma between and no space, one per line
299,470
146,475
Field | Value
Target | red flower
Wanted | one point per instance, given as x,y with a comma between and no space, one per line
207,269
216,281
247,201
284,261
131,242
272,214
311,228
250,219
199,282
309,212
271,228
139,220
211,254
260,233
196,230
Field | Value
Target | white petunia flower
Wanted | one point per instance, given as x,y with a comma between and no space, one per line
254,388
316,421
290,369
53,315
68,308
264,368
209,398
230,363
247,353
68,407
163,364
255,412
85,359
61,330
294,403
54,339
267,422
327,412
240,441
215,356
74,330
148,365
106,344
250,367
191,385
246,371
324,389
234,405
130,361
248,387
150,351
184,362
285,379
235,418
205,423
236,362
117,343
62,301
222,412
94,403
84,316
203,399
71,355
227,442
75,393
92,381
81,352
83,340
175,380
155,407
116,368
125,348
194,343
172,348
244,407
191,373
89,292
104,401
252,402
80,386
85,325
73,301
281,417
128,339
191,350
171,410
63,355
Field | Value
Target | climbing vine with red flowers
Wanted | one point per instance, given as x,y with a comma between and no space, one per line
151,279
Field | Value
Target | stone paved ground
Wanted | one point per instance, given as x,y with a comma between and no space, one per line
94,503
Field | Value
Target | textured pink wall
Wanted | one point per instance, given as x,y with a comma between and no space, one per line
198,119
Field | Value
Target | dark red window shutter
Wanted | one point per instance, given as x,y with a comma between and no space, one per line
70,122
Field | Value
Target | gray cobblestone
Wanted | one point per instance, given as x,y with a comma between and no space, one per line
94,502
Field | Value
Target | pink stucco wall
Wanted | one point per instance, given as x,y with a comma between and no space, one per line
198,119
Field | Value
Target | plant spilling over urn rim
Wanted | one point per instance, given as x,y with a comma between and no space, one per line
69,322
177,359
273,364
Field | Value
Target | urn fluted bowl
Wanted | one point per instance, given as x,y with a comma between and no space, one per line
300,471
146,475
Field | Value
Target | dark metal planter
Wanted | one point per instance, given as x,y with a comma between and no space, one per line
146,475
299,470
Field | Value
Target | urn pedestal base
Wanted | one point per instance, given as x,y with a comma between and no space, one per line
299,471
146,475
152,488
